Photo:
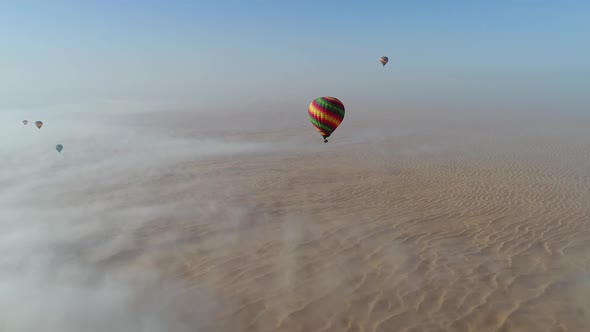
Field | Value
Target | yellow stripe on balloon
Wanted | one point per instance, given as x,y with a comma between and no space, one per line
324,117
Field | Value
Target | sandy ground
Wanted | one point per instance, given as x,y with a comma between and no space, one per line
406,221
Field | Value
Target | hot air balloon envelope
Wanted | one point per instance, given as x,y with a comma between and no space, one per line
326,114
39,124
384,60
59,147
25,122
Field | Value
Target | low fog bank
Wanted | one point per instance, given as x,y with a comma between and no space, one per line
63,214
70,221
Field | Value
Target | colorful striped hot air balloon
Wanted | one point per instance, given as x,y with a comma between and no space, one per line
384,60
326,114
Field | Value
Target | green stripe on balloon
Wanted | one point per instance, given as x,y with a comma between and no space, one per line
327,129
334,107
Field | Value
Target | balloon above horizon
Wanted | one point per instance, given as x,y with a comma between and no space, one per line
326,114
59,147
25,122
39,124
384,60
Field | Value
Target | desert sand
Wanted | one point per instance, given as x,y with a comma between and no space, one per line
411,220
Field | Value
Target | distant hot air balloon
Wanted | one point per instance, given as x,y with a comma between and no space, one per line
25,122
39,124
326,114
59,147
384,60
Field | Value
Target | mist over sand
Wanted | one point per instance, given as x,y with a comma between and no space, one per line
408,220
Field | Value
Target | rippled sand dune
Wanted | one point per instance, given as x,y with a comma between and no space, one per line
428,222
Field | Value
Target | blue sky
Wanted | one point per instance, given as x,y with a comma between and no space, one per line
461,52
